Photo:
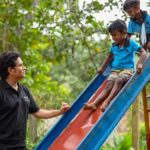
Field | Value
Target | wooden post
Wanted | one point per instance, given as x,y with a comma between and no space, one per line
146,118
135,123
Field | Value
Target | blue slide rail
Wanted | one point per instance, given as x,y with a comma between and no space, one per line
75,108
115,111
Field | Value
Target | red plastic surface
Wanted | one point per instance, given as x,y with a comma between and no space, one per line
78,128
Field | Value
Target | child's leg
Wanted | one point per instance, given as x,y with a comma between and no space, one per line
148,43
116,88
103,95
148,46
123,77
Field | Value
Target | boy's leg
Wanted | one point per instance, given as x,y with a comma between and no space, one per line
116,88
148,46
148,42
120,81
103,95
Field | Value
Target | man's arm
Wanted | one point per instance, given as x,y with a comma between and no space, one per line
105,63
46,114
142,58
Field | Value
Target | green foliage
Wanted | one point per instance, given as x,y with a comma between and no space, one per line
142,137
148,89
122,142
61,45
57,44
29,144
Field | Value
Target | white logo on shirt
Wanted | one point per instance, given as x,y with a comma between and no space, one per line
26,99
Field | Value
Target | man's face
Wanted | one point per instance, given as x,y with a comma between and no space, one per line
19,70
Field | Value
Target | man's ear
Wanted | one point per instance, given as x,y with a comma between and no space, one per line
10,70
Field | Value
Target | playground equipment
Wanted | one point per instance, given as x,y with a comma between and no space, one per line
146,116
81,129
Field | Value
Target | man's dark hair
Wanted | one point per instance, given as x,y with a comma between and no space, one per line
130,3
7,59
117,25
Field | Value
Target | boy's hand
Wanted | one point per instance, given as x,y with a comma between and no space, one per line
100,70
139,68
64,107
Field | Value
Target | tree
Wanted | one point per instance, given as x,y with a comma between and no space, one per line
57,43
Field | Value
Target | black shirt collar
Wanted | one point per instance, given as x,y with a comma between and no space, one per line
6,85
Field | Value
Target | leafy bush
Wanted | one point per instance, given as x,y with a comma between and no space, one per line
122,142
142,137
29,144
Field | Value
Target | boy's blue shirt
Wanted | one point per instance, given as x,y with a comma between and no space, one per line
123,57
135,27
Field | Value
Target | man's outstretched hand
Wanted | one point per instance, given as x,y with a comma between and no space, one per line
64,107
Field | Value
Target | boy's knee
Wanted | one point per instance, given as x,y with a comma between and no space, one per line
119,81
110,84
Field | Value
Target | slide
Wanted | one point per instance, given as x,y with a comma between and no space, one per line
82,129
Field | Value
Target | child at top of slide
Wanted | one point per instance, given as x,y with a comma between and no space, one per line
139,22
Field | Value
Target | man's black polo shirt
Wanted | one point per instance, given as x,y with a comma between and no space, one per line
14,109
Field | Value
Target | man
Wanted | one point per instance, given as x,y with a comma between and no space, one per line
16,102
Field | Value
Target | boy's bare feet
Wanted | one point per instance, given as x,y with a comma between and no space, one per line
89,106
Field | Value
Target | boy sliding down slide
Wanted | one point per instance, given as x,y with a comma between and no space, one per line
122,51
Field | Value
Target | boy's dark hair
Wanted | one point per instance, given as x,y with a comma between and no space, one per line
117,25
7,59
130,3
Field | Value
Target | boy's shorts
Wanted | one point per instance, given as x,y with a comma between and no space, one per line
125,74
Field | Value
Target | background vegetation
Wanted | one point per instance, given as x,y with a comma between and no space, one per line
62,44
